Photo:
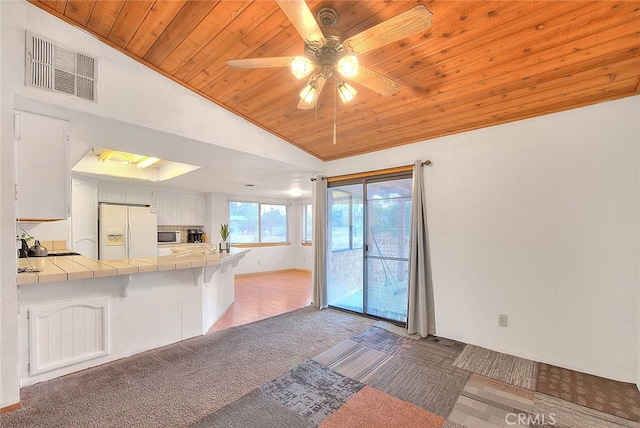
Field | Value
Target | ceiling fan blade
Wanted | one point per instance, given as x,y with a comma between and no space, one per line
320,80
272,62
302,19
375,81
407,23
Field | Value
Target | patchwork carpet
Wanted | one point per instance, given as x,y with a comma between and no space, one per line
312,390
373,379
383,378
487,402
370,408
570,415
605,395
496,365
311,368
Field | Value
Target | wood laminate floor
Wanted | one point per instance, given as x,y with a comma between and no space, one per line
260,296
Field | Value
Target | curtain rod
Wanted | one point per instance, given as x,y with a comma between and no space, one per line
403,168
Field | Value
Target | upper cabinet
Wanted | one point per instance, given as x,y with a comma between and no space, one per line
167,207
134,195
42,167
111,193
191,209
172,208
124,195
179,209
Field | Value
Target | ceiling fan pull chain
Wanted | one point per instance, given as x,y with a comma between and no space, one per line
334,114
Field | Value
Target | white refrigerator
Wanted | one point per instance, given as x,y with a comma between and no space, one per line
127,232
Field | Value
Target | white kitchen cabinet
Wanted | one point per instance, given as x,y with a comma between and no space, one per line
124,194
134,195
191,209
179,209
43,184
112,193
84,215
167,207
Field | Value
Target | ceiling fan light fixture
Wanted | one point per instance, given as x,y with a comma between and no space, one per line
301,67
348,65
309,92
346,92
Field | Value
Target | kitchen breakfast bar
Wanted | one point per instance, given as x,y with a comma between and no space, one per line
77,312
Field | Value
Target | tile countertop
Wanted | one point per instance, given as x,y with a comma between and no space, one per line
68,268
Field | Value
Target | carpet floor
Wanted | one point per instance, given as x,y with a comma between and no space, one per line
179,384
616,398
382,377
496,365
310,368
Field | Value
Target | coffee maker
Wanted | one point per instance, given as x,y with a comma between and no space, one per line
194,235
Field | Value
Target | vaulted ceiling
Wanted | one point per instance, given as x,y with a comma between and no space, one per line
479,64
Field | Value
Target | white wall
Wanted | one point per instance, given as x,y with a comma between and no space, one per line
537,220
9,393
303,256
216,213
48,231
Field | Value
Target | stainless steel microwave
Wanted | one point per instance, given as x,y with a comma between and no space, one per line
168,237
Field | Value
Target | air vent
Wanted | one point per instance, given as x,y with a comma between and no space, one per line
53,67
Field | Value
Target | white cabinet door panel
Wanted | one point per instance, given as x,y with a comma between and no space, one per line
167,207
191,209
111,193
137,196
84,218
42,167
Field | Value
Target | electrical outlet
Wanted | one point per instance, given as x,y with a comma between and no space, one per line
259,262
502,320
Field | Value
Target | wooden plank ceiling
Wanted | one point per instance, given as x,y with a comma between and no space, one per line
480,64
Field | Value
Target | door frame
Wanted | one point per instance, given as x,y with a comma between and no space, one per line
363,181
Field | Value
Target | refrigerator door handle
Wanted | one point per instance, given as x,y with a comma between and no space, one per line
128,246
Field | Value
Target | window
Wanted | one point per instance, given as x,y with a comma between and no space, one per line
307,224
256,223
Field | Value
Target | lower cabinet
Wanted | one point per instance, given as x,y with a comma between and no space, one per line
67,333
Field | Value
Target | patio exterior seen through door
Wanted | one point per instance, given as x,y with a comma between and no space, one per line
368,232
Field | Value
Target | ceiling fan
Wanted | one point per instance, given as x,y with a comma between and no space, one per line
327,51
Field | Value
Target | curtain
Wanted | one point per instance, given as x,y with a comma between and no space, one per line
319,243
420,313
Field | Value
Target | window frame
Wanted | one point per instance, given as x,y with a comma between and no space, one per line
260,243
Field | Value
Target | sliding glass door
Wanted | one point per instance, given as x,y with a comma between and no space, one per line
345,258
368,230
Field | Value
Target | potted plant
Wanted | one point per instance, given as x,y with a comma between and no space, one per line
224,234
